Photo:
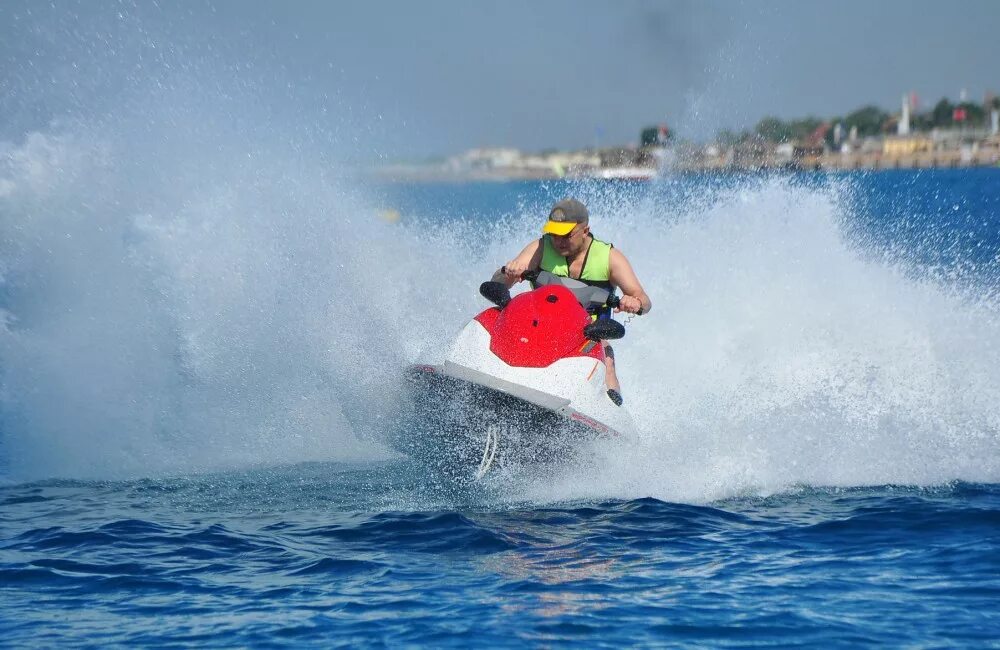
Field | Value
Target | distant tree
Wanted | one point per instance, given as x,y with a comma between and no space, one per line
974,113
802,129
922,121
773,129
727,137
868,120
942,112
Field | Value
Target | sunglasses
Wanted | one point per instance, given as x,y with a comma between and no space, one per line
575,230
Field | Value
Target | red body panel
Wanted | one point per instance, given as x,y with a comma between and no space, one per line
539,327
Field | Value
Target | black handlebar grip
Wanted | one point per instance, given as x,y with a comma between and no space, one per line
530,276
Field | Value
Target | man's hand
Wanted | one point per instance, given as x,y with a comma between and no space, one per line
629,304
514,268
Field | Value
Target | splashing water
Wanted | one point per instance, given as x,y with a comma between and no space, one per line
259,316
780,353
263,317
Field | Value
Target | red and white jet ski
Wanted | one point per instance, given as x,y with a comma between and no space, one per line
522,383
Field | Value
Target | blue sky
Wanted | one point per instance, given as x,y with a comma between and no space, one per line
409,79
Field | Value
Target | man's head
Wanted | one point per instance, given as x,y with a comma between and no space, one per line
568,226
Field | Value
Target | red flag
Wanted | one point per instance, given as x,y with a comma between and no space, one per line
958,115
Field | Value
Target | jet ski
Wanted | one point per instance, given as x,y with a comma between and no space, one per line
522,383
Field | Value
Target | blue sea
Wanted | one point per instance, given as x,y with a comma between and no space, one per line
200,377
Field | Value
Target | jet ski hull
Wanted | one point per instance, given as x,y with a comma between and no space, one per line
467,424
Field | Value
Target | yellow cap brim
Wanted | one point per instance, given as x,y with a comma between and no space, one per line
559,228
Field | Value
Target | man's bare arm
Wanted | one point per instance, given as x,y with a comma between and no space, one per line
529,258
623,277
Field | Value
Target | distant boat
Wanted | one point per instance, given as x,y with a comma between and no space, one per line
625,173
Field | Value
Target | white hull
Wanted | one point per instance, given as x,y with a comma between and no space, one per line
475,412
572,387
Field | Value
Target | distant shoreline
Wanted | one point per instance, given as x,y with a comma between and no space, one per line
646,163
820,166
873,161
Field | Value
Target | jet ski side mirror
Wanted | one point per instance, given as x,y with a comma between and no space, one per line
604,330
495,292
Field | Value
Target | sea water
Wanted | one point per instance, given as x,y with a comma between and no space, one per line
197,391
204,316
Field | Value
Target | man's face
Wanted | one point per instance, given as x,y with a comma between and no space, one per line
572,242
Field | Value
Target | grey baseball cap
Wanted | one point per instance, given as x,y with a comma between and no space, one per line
564,216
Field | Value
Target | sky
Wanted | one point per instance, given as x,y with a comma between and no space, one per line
412,80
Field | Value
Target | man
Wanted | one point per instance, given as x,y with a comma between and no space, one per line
568,249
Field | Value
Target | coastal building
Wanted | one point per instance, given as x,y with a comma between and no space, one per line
965,135
906,145
955,137
484,158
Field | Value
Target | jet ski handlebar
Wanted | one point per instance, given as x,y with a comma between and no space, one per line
599,330
529,275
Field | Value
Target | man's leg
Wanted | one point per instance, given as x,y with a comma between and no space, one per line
610,376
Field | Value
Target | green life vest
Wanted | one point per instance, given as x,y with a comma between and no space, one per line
596,263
